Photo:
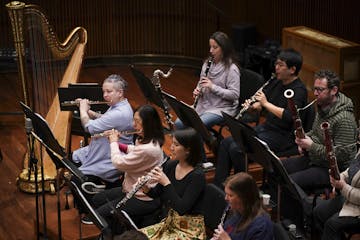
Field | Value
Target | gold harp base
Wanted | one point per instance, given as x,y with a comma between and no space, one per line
28,185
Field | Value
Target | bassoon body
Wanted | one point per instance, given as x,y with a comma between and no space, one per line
330,153
299,130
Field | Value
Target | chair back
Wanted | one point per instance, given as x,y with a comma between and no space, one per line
279,232
212,205
250,82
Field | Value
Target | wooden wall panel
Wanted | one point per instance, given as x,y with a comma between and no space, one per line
182,27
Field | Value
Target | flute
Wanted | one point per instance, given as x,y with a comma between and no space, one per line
136,187
76,103
107,133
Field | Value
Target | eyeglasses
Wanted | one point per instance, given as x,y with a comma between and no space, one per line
319,89
280,64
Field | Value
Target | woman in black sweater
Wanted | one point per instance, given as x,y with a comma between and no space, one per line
181,182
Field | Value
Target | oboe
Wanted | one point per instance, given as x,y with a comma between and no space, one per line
330,153
252,98
211,59
136,187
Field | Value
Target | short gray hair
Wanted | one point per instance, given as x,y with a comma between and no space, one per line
118,81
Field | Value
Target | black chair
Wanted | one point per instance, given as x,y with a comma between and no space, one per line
250,82
212,205
279,232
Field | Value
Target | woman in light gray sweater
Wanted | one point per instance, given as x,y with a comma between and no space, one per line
341,213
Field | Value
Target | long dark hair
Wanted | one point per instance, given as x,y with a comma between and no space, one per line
191,140
227,47
244,186
152,127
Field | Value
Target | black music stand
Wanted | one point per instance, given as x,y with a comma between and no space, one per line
244,135
147,88
190,118
284,181
81,200
88,91
43,134
152,94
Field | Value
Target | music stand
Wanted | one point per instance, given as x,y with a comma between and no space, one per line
152,94
190,118
43,134
244,135
283,180
147,88
99,222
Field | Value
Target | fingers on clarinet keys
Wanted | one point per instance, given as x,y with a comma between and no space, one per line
92,188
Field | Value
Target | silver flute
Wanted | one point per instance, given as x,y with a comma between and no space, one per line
136,187
106,134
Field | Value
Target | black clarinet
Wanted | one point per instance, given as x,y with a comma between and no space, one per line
196,100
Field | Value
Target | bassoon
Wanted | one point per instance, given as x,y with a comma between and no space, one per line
330,153
299,130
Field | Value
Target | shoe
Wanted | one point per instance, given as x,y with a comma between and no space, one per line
92,188
86,220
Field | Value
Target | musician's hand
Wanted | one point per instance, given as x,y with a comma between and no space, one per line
112,134
338,184
220,234
261,98
159,176
84,105
304,143
196,92
206,82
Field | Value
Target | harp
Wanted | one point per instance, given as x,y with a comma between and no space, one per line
44,64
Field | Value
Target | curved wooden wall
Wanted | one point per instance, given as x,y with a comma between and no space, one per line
182,27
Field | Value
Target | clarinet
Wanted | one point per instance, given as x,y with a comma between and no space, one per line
196,100
252,98
223,216
330,153
299,130
136,187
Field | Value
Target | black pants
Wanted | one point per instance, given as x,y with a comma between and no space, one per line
229,156
328,221
105,202
307,177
